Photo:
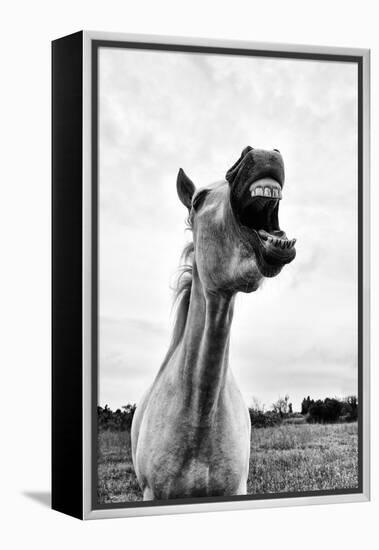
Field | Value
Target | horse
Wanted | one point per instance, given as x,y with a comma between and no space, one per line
191,431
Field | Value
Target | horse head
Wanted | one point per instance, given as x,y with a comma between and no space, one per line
235,222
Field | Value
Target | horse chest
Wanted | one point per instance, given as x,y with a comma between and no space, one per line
181,453
195,462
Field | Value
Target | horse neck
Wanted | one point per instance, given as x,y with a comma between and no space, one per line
204,349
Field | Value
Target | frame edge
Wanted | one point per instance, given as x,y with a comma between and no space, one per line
66,275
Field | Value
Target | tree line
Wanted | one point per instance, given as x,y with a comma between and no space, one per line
330,409
312,411
118,420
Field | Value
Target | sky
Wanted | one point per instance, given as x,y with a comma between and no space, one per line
160,111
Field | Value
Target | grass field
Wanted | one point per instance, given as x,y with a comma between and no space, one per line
287,458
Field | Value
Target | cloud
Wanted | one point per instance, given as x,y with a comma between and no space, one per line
130,352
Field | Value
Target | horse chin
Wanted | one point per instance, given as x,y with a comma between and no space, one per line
263,263
268,270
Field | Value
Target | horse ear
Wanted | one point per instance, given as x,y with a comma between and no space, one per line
185,188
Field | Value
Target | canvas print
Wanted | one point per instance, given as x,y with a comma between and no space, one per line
227,239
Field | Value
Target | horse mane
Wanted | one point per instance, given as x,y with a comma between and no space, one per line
182,295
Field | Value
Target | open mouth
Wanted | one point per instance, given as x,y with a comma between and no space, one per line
258,211
256,196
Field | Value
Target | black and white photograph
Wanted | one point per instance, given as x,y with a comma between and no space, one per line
228,353
189,266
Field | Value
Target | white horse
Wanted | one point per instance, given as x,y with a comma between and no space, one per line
191,432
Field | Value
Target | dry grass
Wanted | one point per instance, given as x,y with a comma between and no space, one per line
117,481
308,457
287,458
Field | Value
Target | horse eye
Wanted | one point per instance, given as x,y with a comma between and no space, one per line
199,199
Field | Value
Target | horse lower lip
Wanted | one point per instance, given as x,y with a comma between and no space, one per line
277,254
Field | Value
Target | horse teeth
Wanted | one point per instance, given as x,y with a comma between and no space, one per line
266,187
276,241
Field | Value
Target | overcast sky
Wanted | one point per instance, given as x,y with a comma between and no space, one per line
161,111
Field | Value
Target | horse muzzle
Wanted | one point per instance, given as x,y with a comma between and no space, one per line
256,188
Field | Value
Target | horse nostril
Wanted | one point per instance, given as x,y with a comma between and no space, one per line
277,150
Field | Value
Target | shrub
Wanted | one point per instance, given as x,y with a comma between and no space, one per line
260,419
